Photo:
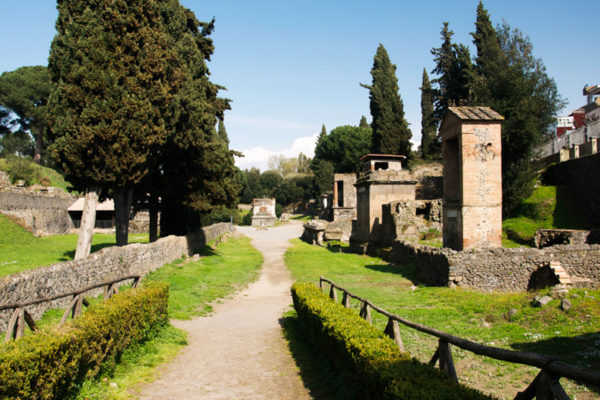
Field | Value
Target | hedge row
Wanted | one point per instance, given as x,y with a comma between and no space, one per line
48,364
366,361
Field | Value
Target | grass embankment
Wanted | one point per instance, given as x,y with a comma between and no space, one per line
194,285
40,175
549,207
572,336
20,250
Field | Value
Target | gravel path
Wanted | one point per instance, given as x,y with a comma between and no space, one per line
239,352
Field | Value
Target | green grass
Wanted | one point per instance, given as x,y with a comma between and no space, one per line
20,250
572,336
302,217
138,365
549,207
41,174
195,285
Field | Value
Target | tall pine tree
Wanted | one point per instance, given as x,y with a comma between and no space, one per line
391,134
113,78
430,145
454,70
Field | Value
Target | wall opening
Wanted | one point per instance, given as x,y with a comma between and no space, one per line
381,166
340,193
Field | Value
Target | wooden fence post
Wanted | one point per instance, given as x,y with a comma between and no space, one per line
446,362
346,300
365,312
393,331
321,285
332,293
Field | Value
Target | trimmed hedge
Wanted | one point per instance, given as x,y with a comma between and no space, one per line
366,360
48,364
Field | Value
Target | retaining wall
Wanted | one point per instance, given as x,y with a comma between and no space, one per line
500,269
40,214
108,263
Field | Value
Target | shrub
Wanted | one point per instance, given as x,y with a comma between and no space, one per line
48,364
368,361
20,168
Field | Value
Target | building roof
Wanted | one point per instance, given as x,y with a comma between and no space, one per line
382,156
106,205
476,113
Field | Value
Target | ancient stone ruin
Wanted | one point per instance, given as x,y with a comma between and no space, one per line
263,212
472,152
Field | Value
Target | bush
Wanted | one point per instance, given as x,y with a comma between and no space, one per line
20,168
365,359
47,365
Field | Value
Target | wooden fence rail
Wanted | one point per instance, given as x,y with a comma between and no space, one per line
546,385
20,317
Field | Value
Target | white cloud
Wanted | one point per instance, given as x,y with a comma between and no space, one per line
258,156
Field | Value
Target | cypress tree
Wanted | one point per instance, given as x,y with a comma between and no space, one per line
430,145
391,134
222,132
113,78
363,122
454,69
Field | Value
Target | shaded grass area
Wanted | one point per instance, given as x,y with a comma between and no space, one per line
20,250
572,336
219,273
549,207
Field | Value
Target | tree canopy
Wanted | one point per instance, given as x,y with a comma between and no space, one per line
25,92
430,145
391,134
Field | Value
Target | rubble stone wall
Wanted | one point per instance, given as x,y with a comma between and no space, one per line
498,269
106,264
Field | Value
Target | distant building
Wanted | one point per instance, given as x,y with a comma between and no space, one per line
105,213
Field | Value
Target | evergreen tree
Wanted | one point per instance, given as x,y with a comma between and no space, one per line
25,91
454,69
391,134
430,145
322,135
113,78
363,122
222,132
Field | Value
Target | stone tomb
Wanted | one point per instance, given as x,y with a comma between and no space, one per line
472,153
344,196
381,181
263,212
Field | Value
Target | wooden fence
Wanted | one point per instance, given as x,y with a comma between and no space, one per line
20,316
545,386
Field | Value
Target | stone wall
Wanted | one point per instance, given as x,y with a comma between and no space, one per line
106,264
40,214
582,176
498,269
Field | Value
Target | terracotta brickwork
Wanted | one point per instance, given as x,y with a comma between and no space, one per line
472,151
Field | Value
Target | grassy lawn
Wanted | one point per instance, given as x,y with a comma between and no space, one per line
572,336
20,250
194,285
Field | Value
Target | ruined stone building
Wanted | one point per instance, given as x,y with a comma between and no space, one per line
263,212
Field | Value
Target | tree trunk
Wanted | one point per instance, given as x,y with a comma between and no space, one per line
123,200
37,152
88,220
153,210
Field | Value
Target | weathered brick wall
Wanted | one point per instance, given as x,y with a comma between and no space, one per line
106,264
498,269
582,176
40,214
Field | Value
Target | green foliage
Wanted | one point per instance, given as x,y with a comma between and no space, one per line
343,148
323,175
430,144
363,122
25,91
21,169
41,175
20,250
391,134
370,363
47,365
17,143
195,285
454,69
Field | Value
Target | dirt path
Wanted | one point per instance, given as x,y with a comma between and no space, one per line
239,352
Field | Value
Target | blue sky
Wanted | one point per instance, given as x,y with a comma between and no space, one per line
292,66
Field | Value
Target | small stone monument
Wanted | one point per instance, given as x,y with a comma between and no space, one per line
472,153
263,212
